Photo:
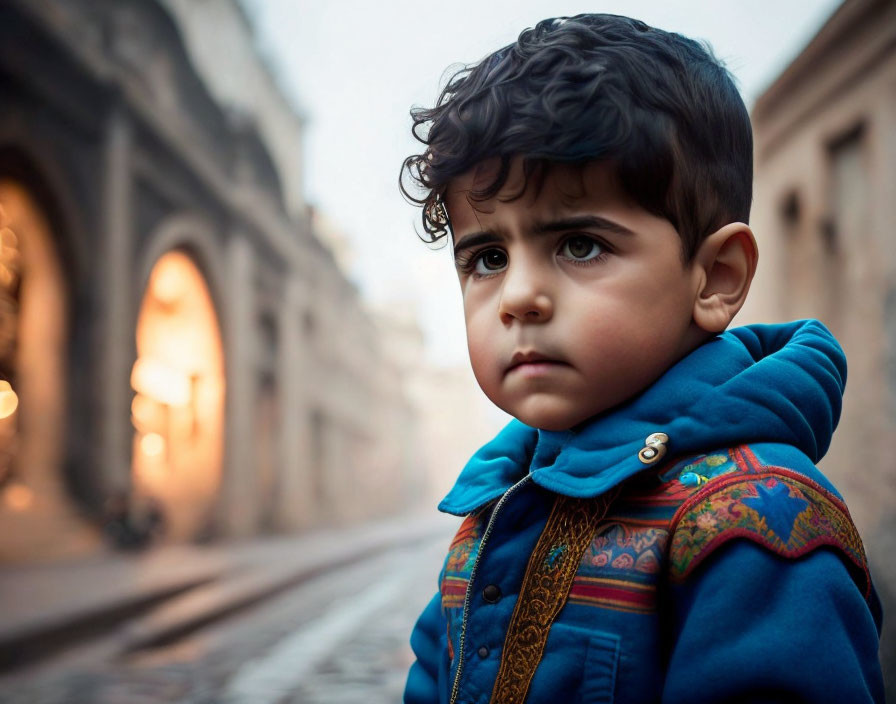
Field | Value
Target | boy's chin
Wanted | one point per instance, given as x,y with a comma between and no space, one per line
552,413
551,419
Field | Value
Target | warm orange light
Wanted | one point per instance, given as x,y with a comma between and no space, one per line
178,413
7,276
9,257
146,412
160,382
169,284
152,445
9,401
9,244
18,497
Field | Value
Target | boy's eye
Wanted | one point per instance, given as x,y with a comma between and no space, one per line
581,248
490,261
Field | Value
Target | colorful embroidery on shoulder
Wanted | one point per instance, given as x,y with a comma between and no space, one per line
619,570
781,510
461,556
621,567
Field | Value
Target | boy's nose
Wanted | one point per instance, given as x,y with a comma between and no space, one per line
524,297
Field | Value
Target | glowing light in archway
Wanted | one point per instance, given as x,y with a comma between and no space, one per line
9,401
36,510
178,410
18,497
152,444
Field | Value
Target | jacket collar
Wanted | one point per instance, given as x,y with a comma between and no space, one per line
761,383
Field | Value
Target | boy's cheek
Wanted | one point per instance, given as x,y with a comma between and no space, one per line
485,365
479,359
476,293
480,321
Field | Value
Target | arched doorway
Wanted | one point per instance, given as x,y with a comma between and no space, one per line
38,519
178,409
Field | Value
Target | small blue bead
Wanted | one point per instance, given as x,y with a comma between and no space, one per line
690,479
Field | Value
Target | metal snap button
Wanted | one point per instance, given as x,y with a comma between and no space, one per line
492,594
483,652
654,448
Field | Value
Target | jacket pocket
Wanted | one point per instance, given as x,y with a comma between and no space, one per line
578,666
601,663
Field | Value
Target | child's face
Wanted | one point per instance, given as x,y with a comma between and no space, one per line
575,299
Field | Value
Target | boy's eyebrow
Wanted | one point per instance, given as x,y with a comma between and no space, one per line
576,221
474,239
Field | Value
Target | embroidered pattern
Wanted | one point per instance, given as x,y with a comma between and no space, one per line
461,556
456,574
620,567
778,509
546,585
696,470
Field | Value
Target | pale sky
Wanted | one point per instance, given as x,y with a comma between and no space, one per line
356,67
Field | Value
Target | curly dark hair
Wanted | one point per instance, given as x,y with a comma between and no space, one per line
658,106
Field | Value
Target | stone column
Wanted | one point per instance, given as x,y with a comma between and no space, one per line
116,332
333,471
294,508
238,487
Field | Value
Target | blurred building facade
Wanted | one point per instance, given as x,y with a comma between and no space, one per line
824,214
825,204
181,347
452,415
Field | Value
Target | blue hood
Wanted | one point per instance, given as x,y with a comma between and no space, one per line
760,383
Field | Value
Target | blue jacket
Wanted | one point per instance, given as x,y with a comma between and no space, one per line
726,567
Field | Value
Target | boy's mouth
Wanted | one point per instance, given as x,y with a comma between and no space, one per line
532,363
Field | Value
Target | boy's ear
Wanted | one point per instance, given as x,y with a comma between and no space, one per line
724,264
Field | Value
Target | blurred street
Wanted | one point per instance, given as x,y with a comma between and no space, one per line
338,636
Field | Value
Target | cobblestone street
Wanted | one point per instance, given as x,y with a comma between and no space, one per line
339,637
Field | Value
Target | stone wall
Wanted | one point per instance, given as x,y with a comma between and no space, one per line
130,154
825,205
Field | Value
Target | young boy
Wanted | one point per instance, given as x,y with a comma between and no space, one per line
652,527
